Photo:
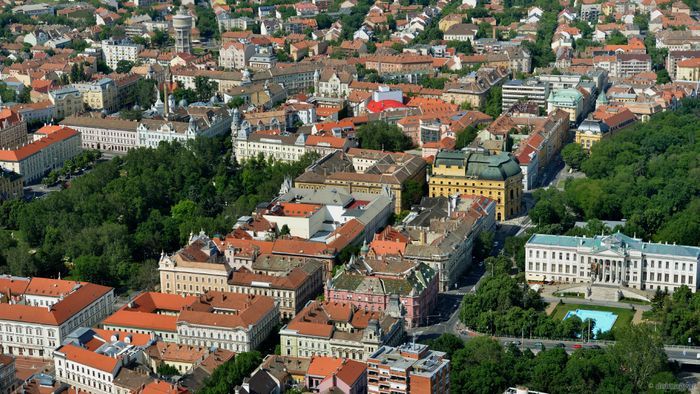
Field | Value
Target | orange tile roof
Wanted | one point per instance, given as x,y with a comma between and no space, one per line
89,359
8,115
141,320
324,366
61,311
34,147
160,387
250,309
13,286
351,371
326,140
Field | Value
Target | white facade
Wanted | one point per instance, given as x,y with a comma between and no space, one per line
614,259
36,339
37,158
236,339
114,51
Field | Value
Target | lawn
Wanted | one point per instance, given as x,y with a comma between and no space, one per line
624,316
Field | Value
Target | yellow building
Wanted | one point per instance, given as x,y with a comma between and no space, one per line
688,70
590,132
11,185
498,177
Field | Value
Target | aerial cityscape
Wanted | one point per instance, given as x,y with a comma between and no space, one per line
349,196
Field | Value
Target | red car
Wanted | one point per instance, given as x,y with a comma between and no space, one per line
577,346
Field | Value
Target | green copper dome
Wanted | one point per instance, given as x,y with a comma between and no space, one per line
481,165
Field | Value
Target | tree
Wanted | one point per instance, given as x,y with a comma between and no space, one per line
167,370
160,38
412,193
662,76
284,230
323,21
206,22
448,343
124,66
383,136
205,88
494,102
90,269
466,136
640,354
573,155
616,38
144,93
231,373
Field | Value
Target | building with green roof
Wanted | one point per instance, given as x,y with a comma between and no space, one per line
398,286
569,100
613,260
479,173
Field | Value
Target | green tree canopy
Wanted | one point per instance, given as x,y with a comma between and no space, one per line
383,136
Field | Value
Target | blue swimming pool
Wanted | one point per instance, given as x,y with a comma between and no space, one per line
603,320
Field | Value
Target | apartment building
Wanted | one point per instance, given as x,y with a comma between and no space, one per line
230,321
616,259
279,145
475,86
67,101
150,313
51,148
442,231
365,171
194,269
116,50
497,177
623,65
40,313
104,134
291,289
408,369
530,90
399,287
235,55
339,329
11,185
674,57
99,95
13,129
402,67
569,100
90,360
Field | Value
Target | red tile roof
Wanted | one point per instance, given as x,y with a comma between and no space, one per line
58,313
89,359
36,146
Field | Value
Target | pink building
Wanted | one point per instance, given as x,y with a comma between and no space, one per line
389,283
326,374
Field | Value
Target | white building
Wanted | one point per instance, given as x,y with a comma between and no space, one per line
40,313
281,146
530,90
231,321
235,55
93,368
613,259
104,134
114,51
53,145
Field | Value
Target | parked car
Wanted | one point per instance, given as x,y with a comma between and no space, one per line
578,346
560,345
